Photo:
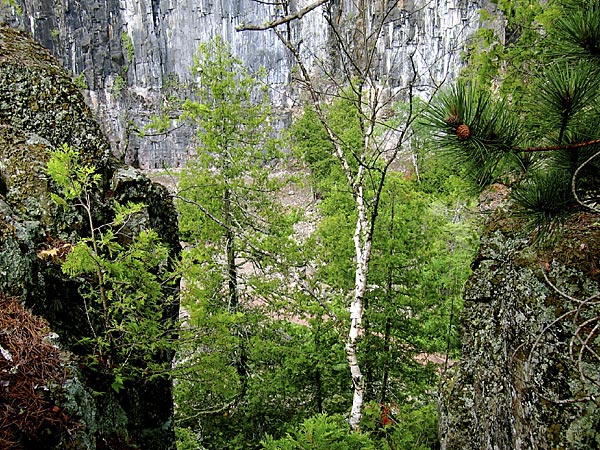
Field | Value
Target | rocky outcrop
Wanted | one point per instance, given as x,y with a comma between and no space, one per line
41,109
132,55
529,373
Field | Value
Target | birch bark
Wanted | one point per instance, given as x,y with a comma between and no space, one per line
362,247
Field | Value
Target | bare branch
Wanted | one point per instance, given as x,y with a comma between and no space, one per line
282,20
574,182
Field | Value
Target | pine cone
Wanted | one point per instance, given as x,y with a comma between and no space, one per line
463,132
453,120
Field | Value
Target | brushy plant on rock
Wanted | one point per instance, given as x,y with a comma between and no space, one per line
122,269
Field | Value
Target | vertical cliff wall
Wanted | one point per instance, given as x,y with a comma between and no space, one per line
132,54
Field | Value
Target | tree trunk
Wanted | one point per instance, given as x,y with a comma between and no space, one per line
368,352
388,298
362,247
318,376
232,282
386,364
233,300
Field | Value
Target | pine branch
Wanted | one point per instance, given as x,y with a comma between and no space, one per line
558,147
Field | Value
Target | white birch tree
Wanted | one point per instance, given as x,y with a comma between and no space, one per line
365,166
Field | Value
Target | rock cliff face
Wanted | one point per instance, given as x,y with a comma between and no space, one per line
40,109
134,53
528,377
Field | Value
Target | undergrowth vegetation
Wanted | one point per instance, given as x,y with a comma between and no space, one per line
263,358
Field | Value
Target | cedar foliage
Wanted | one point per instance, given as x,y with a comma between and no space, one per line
121,268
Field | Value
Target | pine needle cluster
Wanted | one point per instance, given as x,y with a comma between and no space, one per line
546,145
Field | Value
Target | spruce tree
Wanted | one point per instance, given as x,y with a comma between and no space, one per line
237,237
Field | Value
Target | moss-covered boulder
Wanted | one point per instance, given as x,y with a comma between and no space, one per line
529,373
40,110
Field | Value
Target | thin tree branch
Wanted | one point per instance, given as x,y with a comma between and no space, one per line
282,20
558,147
574,181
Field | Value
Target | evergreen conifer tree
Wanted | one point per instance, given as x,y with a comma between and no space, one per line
546,146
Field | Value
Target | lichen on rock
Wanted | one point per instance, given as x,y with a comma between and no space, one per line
525,380
40,110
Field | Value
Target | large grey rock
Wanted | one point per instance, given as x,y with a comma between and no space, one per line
150,44
40,109
519,384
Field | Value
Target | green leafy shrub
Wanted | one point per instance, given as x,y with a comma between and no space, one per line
121,269
321,432
80,82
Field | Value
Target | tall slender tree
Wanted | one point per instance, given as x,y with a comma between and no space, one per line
366,163
237,236
227,212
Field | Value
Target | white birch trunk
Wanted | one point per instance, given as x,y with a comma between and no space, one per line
362,247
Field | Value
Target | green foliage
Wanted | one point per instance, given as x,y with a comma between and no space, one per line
321,432
417,427
186,439
121,278
485,56
492,130
422,248
118,85
544,199
14,5
419,263
226,193
265,353
158,124
410,426
80,82
234,370
292,371
565,98
127,44
539,142
74,179
312,147
514,56
578,36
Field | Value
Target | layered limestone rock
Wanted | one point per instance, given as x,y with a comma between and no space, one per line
529,374
41,109
133,54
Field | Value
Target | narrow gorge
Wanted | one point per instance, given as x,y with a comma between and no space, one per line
94,74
